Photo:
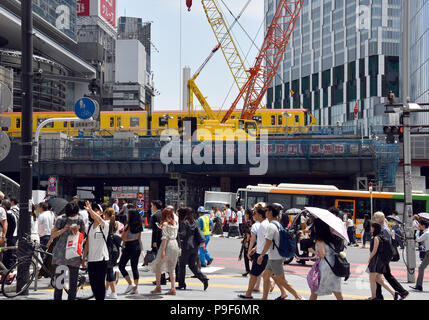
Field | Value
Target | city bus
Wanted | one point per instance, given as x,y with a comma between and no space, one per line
326,196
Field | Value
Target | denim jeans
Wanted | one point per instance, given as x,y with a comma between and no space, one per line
204,254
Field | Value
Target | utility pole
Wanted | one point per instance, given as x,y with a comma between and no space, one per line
26,177
408,205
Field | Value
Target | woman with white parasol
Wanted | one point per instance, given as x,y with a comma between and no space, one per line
330,234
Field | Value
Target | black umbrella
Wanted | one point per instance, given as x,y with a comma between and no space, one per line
58,205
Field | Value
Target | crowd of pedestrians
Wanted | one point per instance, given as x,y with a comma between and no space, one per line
111,237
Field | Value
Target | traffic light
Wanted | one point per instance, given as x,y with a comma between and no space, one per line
401,135
391,132
93,87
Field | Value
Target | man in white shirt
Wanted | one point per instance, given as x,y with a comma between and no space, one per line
83,214
115,206
424,237
46,223
255,253
274,266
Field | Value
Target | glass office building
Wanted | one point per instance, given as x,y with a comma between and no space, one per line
419,68
341,52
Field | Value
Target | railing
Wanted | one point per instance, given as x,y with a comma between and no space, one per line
149,149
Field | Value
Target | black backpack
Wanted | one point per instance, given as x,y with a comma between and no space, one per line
114,246
386,250
113,243
341,267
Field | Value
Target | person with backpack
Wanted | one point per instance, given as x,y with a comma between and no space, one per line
188,236
274,246
327,246
132,250
96,251
377,263
233,230
379,218
9,256
66,225
114,245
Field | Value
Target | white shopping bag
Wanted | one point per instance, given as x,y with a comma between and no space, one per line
74,245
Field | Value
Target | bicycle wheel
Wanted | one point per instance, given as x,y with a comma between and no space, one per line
9,284
84,291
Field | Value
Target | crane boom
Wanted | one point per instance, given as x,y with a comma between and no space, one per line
269,58
226,42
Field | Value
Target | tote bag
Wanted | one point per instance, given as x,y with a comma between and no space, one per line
74,245
313,276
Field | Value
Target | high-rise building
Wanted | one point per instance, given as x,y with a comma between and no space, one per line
96,43
130,28
54,33
419,56
341,52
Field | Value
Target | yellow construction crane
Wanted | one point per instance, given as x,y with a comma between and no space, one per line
232,57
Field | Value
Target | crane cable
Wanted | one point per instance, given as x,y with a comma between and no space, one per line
236,21
245,58
248,52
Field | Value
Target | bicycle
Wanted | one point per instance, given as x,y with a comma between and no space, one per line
31,259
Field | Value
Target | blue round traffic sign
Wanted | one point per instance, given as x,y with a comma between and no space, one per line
51,188
84,108
139,205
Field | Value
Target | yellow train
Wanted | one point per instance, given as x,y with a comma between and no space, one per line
276,121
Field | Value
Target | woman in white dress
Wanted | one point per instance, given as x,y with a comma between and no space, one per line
166,258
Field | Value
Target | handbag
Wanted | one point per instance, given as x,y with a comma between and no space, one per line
396,257
148,257
199,238
341,267
74,245
313,276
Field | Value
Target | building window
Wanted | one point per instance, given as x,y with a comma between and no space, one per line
296,94
286,101
48,126
270,98
163,121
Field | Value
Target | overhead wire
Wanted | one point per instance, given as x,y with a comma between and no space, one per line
250,48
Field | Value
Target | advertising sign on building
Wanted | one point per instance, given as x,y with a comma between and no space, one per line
108,11
105,9
83,7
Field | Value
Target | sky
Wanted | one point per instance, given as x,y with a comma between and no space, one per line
186,39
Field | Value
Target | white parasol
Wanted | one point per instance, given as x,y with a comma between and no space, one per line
424,215
336,224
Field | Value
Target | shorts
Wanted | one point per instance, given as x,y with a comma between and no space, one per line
257,269
276,267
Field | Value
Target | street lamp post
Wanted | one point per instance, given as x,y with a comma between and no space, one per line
408,197
26,177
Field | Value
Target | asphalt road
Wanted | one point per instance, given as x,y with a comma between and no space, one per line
226,281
